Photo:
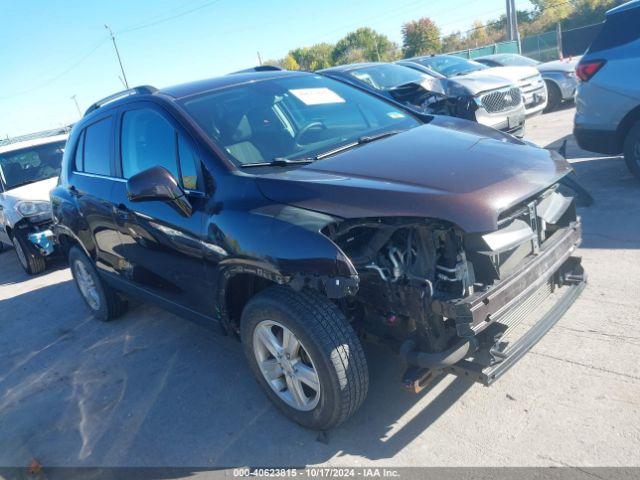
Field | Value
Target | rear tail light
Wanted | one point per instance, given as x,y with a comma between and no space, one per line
586,70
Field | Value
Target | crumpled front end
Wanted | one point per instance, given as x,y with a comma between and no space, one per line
451,301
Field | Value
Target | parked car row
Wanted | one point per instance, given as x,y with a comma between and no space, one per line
303,212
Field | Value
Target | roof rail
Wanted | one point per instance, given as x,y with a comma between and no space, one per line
141,90
259,68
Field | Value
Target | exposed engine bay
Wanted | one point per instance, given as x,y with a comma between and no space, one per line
432,99
413,272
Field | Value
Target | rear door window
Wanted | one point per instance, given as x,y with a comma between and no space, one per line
97,147
619,29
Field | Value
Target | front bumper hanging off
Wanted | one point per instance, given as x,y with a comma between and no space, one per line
43,241
497,327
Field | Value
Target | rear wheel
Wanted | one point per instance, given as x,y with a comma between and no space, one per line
305,355
32,262
104,302
632,149
554,98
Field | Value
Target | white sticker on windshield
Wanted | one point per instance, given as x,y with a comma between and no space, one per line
317,96
395,115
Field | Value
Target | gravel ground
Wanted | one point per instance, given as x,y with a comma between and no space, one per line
152,389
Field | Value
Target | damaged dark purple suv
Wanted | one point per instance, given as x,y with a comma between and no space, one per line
301,215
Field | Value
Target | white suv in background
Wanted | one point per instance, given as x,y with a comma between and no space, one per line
528,79
608,101
28,172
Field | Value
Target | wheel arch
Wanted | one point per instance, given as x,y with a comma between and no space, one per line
67,239
629,120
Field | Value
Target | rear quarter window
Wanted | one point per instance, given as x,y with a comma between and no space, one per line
97,147
618,29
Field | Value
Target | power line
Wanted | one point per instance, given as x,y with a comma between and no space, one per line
102,42
61,74
172,17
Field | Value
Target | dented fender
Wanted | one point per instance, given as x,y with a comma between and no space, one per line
290,250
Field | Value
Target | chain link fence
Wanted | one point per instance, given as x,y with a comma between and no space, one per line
501,47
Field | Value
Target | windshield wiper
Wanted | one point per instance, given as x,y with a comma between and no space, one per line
278,162
378,136
361,141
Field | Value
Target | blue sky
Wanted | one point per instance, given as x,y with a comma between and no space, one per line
51,50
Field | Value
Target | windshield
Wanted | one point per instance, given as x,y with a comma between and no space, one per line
387,76
450,66
291,118
515,61
28,165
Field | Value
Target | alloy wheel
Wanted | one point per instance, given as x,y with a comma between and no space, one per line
87,285
286,365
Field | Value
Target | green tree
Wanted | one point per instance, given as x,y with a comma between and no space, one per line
364,45
289,63
453,42
550,12
478,35
420,37
313,58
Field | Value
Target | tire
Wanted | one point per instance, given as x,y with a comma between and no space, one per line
632,150
327,345
32,262
104,302
554,98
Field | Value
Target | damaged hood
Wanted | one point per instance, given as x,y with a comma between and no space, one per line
476,84
454,174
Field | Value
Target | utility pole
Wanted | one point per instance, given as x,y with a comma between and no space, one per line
509,26
113,38
514,23
259,58
559,40
75,100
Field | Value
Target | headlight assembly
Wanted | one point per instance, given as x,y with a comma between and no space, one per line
31,209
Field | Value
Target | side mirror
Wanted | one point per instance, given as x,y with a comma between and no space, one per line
158,184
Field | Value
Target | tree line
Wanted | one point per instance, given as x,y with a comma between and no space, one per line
423,36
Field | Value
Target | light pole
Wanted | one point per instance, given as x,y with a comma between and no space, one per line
75,100
113,38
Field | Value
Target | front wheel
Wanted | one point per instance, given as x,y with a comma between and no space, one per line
305,355
632,150
33,263
104,302
554,97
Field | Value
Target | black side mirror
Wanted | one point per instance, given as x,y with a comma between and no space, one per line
158,184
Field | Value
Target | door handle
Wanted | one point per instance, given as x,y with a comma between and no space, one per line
121,211
74,191
120,208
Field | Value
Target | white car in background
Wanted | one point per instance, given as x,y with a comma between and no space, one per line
533,88
28,172
559,75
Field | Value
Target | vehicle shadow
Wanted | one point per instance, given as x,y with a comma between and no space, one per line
152,389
